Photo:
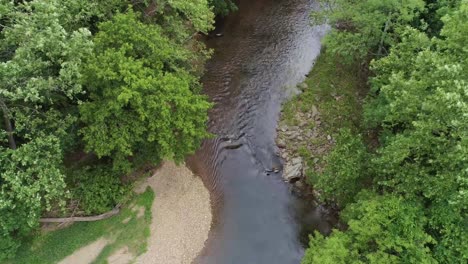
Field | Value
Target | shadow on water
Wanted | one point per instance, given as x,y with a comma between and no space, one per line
267,47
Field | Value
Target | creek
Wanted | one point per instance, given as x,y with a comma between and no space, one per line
267,47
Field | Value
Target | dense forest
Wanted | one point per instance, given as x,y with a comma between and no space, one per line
400,177
89,92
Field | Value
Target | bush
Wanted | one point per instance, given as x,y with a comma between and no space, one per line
382,229
98,189
346,169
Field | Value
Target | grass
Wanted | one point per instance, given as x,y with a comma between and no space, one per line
52,247
336,89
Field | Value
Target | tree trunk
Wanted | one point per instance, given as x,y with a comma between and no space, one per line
8,125
379,53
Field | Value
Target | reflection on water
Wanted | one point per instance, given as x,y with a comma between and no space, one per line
267,48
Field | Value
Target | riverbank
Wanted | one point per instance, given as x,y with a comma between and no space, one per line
166,221
181,216
93,242
330,100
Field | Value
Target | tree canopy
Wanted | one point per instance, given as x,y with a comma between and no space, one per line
413,205
114,83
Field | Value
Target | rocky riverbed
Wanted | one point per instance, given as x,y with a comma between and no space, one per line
302,142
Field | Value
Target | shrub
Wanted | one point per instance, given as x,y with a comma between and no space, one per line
98,189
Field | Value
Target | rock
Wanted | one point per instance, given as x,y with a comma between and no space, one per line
293,135
300,138
293,170
281,143
302,123
315,111
303,86
299,185
329,138
276,169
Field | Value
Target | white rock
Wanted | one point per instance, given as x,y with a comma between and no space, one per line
293,170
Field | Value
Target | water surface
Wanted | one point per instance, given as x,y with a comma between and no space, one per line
267,48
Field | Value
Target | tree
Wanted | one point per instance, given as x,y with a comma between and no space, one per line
143,100
360,28
382,229
31,181
222,7
180,20
346,169
40,61
418,102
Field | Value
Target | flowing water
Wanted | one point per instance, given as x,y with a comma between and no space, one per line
267,48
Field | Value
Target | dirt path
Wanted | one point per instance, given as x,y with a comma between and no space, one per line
181,216
86,254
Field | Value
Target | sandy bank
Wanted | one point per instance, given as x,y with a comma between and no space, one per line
181,216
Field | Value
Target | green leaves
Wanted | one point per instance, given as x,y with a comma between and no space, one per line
362,28
46,58
129,84
31,182
382,229
222,7
346,170
143,100
418,100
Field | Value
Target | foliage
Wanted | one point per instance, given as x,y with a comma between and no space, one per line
180,19
97,189
419,104
31,180
360,28
382,229
56,69
39,69
124,229
222,7
423,98
143,101
346,169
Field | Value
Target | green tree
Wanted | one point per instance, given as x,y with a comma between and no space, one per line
418,101
180,20
362,28
222,7
382,229
40,61
143,102
346,170
31,181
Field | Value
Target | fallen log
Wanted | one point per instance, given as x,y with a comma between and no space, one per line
103,216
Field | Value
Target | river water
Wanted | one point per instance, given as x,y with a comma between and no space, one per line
267,48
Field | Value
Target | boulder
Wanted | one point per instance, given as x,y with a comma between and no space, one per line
293,170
